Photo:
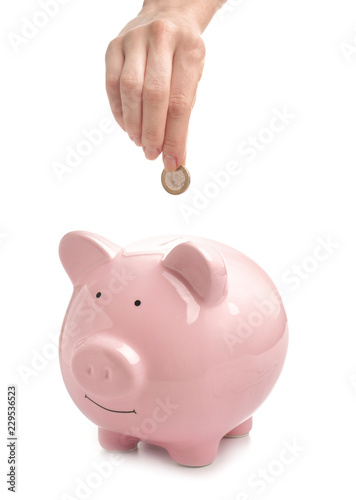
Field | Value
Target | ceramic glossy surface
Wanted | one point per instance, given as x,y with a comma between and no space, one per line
175,341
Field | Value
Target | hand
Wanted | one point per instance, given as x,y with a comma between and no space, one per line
153,68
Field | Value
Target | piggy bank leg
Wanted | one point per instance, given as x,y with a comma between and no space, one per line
241,430
114,441
194,454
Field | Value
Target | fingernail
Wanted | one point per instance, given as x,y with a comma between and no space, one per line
136,139
151,153
170,162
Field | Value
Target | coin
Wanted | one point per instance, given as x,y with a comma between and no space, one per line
176,182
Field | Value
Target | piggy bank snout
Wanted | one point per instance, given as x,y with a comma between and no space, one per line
105,366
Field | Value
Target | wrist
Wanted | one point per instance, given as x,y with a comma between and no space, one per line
197,12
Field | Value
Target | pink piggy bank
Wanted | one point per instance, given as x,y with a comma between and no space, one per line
174,341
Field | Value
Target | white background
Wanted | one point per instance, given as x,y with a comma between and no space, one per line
261,55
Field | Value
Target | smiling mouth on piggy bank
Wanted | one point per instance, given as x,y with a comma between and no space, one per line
108,409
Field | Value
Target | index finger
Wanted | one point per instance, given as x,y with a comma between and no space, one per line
187,71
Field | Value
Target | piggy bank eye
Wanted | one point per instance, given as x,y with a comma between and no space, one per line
98,295
137,302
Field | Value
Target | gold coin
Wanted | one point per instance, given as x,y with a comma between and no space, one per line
176,182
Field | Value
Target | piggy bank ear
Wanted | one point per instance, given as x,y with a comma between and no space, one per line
81,252
202,267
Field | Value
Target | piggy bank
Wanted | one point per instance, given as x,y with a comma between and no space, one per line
174,341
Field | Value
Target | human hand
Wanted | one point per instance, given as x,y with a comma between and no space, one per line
153,68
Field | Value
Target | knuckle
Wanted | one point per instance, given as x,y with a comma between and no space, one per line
112,82
170,147
114,45
152,136
131,85
195,50
130,36
154,93
199,48
161,28
179,105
